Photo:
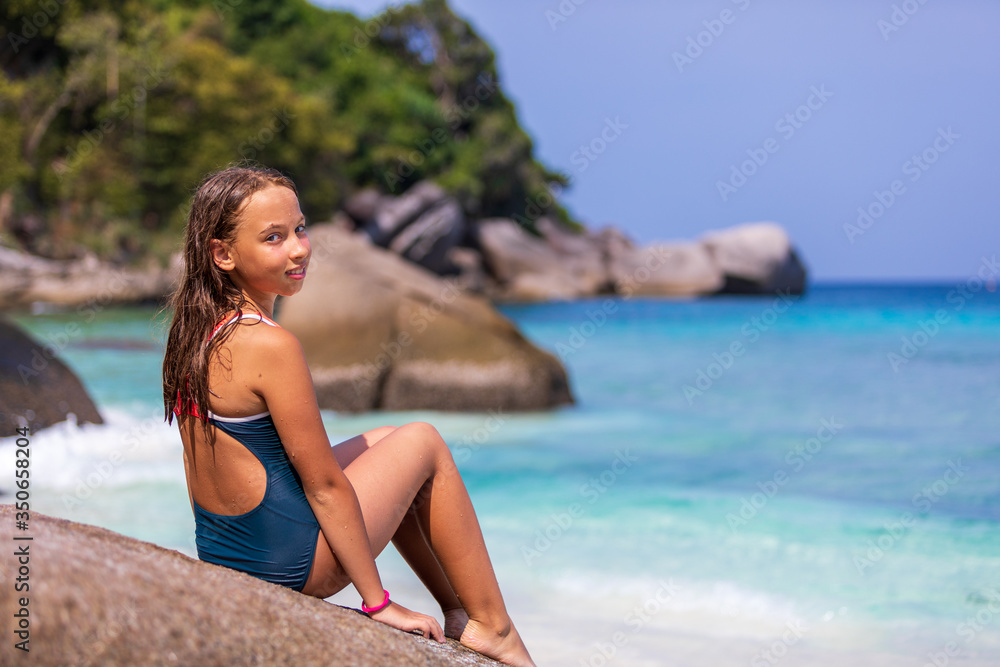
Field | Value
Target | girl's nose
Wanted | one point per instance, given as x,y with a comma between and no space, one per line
301,248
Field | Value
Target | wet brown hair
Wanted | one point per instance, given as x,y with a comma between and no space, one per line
205,292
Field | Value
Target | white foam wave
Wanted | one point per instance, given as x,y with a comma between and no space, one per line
129,448
674,602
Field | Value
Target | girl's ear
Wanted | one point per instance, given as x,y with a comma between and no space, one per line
222,255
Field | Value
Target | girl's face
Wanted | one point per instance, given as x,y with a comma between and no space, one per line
271,249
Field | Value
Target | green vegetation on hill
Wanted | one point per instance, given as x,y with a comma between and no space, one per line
111,111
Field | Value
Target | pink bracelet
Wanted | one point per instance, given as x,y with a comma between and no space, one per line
372,610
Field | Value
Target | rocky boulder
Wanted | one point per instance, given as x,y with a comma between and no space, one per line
525,267
37,389
680,269
756,258
428,240
500,258
381,333
389,215
100,598
422,225
25,279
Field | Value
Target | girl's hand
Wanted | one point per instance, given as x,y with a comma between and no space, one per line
401,618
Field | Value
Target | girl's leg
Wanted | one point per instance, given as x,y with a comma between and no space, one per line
412,463
411,543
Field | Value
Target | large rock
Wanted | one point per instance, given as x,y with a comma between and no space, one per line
423,225
26,279
559,265
428,240
508,263
36,388
680,269
392,214
100,598
381,333
756,258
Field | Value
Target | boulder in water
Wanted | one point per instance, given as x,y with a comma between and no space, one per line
37,389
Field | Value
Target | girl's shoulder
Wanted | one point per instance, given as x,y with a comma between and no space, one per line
258,331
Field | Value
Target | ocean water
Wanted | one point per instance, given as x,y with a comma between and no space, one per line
742,481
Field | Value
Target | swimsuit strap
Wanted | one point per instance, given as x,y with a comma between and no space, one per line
241,316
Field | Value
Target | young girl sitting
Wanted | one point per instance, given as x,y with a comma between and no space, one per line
270,496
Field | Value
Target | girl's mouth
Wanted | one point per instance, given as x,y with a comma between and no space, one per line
297,274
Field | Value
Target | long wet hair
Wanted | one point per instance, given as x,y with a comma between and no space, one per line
205,292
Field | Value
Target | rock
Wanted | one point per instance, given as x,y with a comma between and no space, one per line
756,258
427,240
580,253
471,273
36,388
531,268
680,269
100,598
362,205
428,227
381,333
613,244
392,214
25,279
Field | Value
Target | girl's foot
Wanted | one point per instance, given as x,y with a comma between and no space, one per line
504,645
455,621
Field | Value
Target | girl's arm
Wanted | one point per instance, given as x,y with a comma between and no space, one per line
282,379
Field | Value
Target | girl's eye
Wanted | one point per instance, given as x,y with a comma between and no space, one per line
271,237
300,228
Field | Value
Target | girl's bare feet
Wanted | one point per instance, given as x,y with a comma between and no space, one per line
503,644
454,623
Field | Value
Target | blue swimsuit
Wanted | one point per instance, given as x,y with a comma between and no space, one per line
276,540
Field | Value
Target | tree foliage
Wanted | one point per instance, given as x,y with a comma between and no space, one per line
111,111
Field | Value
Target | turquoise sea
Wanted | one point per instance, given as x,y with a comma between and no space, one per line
742,481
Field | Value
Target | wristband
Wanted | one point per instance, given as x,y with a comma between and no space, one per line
372,610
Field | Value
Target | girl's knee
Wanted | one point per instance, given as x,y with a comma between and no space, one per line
428,437
376,434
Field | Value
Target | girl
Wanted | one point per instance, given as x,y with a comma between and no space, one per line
270,496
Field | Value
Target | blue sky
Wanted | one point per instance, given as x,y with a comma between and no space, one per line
821,108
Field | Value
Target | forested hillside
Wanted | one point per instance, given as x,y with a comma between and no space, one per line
111,111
